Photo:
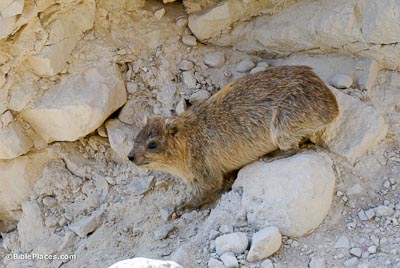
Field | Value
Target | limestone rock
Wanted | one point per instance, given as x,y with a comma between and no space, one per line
13,141
245,66
189,40
186,65
13,9
145,263
293,194
78,105
341,81
64,31
18,177
234,242
357,129
121,137
7,26
85,225
264,243
199,96
189,79
229,260
215,59
214,263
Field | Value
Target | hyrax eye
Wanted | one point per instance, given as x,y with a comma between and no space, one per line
152,145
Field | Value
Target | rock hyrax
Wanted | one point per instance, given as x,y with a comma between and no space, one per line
258,114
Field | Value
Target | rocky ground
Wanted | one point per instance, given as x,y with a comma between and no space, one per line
67,187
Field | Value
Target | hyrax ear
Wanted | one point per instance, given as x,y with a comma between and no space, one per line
172,126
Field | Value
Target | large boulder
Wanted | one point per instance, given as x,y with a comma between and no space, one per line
145,263
357,129
78,105
293,194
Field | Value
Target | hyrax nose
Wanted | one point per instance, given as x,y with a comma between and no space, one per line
131,157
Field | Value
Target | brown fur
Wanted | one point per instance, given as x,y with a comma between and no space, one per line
258,114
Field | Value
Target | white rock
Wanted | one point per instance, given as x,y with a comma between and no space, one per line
13,9
145,263
215,59
372,249
121,137
189,79
234,242
256,70
134,113
199,96
85,225
214,263
18,176
317,262
64,32
77,106
356,130
296,200
226,229
245,65
186,65
351,262
7,25
356,252
213,234
159,13
181,106
13,141
370,213
342,242
341,81
229,260
383,211
262,64
362,216
264,243
189,40
267,264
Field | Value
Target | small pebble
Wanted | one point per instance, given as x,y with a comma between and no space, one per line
341,81
356,252
213,234
362,215
186,65
256,70
370,213
267,264
189,79
215,59
214,263
163,231
181,106
351,262
245,66
199,96
317,262
372,249
264,243
226,229
342,242
159,13
383,211
234,242
189,40
262,64
49,201
229,260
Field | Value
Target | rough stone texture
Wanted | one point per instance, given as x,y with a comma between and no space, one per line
234,242
217,19
78,105
199,96
189,79
121,137
215,59
360,27
86,225
293,194
17,178
341,81
264,243
229,260
214,263
357,129
64,32
145,263
13,141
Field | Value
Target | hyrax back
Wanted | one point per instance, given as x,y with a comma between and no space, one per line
258,114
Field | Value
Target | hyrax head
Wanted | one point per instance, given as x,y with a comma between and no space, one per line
153,144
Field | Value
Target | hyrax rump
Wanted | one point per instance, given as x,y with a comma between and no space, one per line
258,114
